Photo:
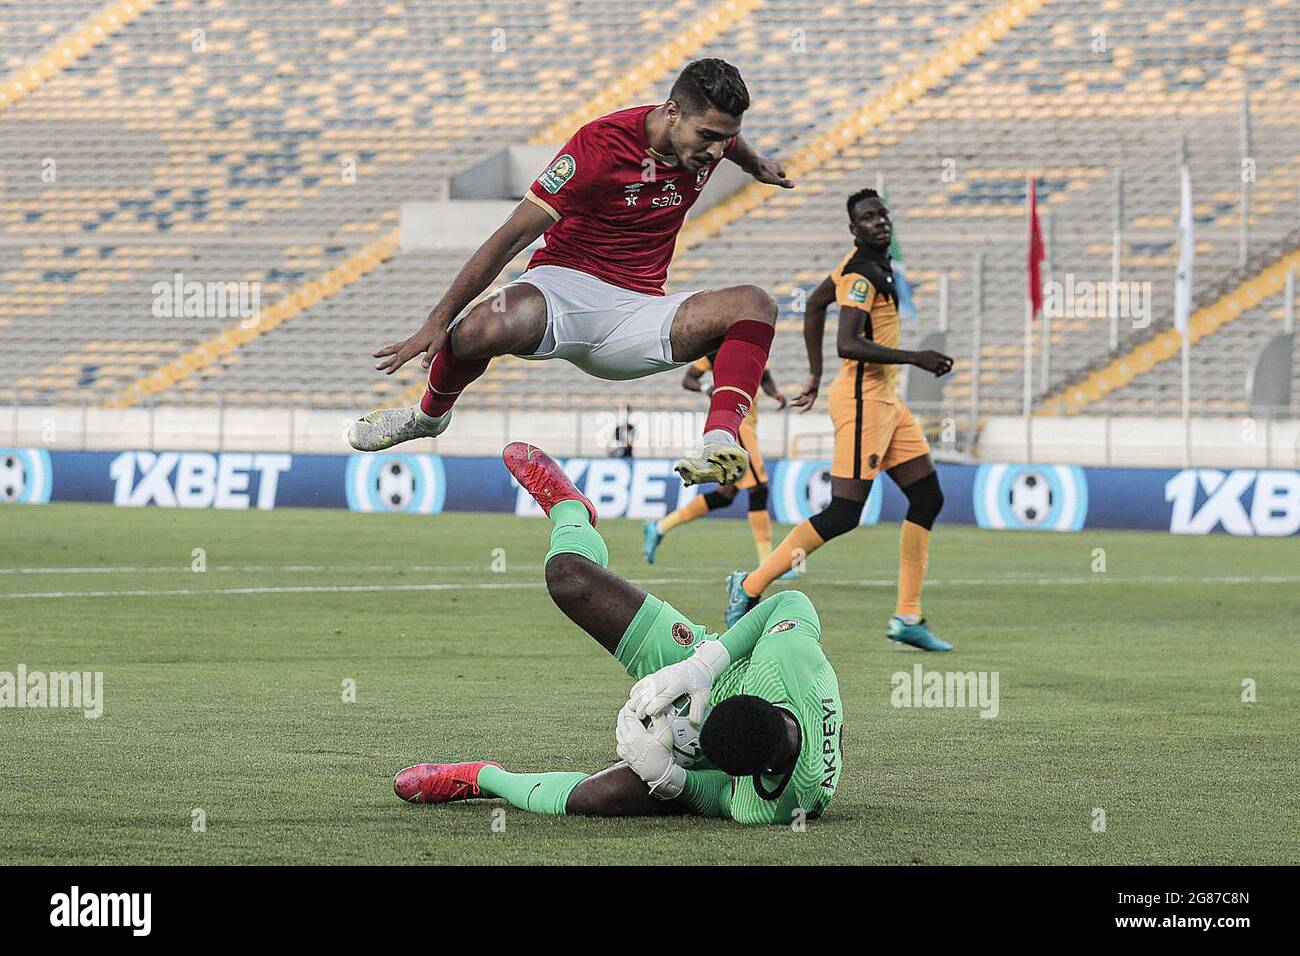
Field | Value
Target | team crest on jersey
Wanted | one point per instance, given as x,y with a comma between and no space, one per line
702,177
558,173
857,291
782,626
683,634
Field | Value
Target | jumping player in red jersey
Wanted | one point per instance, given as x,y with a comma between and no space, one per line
611,205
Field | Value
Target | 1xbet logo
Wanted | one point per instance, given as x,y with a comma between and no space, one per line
197,479
1206,498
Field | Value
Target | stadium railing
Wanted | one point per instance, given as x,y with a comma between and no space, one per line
1113,435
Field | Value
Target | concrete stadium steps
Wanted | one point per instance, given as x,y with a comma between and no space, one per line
204,145
807,64
994,130
323,356
155,140
263,117
1218,368
107,333
28,26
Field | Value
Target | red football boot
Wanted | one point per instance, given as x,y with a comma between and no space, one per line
542,478
440,782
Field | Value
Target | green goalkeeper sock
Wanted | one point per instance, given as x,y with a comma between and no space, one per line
574,534
534,792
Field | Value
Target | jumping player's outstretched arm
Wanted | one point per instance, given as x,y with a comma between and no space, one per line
814,328
762,168
517,233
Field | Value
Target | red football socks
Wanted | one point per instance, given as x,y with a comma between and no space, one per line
737,371
448,377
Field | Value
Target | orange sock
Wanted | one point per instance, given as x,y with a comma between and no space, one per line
689,512
913,553
802,541
761,525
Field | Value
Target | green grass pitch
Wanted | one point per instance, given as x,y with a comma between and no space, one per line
1119,690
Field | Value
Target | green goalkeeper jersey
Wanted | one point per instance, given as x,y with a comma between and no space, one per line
777,655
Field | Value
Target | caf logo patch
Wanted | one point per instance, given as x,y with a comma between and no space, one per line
558,173
683,634
783,626
858,291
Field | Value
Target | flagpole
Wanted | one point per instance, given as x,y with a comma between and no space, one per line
1187,401
1049,241
1116,252
1182,315
1243,241
1028,398
977,333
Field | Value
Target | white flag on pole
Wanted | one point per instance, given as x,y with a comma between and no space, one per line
1186,253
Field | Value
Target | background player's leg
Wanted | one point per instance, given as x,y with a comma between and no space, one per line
739,322
919,482
848,495
760,525
654,531
619,792
699,506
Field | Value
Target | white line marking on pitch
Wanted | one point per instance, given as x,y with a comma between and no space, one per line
533,585
258,568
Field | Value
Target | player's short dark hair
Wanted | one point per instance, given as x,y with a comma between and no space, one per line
710,82
743,735
860,195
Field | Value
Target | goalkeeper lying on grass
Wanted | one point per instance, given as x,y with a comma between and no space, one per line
769,701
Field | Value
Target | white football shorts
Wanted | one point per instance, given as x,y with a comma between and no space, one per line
607,331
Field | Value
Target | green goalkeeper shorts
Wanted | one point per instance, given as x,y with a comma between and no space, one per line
659,635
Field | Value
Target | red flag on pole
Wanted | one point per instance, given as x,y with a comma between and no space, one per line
1036,252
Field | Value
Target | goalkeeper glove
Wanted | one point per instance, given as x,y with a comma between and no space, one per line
654,693
649,759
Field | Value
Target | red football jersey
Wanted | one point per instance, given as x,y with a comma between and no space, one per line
617,204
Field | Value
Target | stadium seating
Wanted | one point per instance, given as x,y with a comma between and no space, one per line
168,143
250,153
26,27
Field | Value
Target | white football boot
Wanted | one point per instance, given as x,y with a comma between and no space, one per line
719,458
386,427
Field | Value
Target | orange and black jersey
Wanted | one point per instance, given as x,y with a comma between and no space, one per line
864,280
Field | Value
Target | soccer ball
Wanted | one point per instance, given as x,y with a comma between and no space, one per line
674,730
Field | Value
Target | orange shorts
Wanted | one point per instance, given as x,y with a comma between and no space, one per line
871,435
756,473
